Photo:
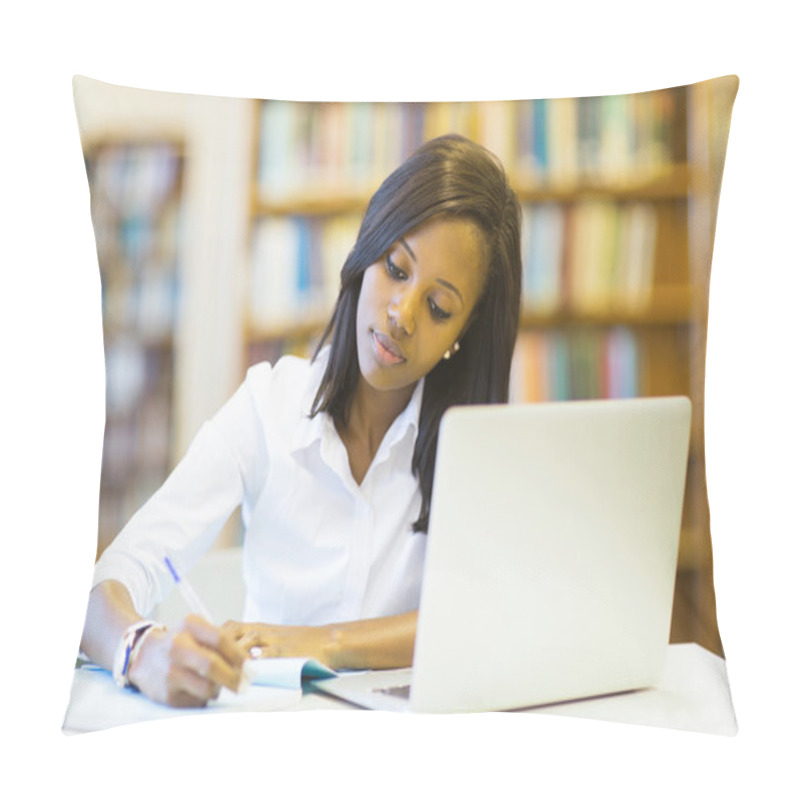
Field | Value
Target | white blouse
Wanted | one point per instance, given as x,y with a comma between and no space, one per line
318,548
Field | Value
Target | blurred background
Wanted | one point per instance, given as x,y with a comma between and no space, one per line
221,225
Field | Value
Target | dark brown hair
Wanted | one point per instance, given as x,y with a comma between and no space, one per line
450,176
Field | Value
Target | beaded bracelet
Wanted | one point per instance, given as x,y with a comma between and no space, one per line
132,641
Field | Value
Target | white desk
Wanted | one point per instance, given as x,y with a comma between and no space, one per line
693,695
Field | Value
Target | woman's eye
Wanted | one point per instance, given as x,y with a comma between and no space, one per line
393,270
438,312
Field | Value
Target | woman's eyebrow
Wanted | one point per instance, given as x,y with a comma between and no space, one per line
450,286
442,281
408,248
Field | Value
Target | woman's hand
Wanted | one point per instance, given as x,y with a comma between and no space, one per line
188,667
282,641
379,643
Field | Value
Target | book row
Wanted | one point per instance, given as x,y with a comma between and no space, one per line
145,307
547,366
134,179
349,148
609,139
136,374
136,219
295,269
138,433
593,256
577,365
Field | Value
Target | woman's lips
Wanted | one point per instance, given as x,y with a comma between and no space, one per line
386,349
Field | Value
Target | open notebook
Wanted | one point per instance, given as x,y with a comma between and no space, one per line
551,558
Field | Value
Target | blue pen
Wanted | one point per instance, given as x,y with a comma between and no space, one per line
189,594
196,604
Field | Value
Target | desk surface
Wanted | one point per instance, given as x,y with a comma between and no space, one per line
693,695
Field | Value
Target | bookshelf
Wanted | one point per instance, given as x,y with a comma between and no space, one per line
136,190
617,193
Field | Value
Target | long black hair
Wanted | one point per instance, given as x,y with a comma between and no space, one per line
450,176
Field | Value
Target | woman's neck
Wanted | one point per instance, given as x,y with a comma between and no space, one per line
372,413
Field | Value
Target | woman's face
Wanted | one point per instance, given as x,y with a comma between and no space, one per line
416,301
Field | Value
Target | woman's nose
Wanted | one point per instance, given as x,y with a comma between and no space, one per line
401,313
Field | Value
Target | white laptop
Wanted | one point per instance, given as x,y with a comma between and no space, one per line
551,557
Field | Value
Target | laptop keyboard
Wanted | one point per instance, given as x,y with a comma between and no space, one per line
396,691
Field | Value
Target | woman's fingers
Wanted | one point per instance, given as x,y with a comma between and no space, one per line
247,634
275,641
189,667
219,639
253,639
187,688
234,627
209,652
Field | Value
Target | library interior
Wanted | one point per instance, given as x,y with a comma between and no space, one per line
221,225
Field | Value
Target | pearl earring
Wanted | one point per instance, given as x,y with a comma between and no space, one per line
456,348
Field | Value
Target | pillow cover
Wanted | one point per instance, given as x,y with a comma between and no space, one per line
195,200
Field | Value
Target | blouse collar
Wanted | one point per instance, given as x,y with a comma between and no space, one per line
320,427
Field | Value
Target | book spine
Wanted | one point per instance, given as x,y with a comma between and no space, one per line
541,145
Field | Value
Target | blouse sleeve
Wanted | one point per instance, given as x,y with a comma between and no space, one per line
225,462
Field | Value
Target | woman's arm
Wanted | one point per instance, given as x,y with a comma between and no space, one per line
380,643
186,667
189,665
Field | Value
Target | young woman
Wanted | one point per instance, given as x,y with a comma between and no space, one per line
331,459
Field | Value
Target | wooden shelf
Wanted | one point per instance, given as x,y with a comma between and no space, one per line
671,183
672,309
339,200
135,214
675,307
